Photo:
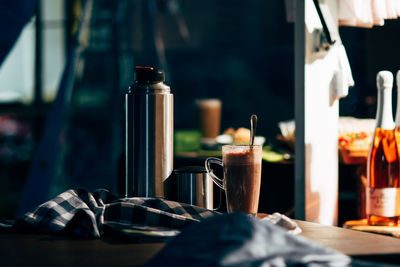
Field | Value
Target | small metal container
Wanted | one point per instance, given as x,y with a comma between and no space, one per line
194,186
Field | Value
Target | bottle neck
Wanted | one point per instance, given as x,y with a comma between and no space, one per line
398,108
384,115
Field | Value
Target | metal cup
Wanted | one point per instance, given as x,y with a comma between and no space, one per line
194,186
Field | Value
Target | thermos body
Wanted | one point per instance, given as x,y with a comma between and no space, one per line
149,139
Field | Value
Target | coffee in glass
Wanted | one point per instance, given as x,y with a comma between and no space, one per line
242,177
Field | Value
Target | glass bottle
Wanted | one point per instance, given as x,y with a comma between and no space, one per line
383,187
397,122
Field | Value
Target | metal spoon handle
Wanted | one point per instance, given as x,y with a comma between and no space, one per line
253,126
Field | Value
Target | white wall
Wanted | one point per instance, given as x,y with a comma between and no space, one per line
318,144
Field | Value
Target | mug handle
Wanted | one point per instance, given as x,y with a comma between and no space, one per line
215,179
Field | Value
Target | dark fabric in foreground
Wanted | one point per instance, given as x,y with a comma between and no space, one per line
84,214
239,240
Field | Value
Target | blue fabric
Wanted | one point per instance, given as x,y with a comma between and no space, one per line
239,240
13,17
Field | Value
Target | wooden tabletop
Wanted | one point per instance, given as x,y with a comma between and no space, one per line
22,250
47,250
350,242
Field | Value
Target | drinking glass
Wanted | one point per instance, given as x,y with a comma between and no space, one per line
209,117
242,176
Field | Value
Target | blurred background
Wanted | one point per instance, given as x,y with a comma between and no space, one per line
239,51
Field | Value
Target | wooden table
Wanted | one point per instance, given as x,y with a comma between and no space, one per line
46,250
357,244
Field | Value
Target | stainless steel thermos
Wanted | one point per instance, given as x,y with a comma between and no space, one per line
149,134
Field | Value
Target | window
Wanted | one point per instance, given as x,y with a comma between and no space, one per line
18,72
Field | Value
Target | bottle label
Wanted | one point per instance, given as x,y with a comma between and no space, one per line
384,202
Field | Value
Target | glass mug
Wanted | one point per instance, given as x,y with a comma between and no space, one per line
209,117
242,176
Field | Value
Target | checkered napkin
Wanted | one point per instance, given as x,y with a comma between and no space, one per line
85,214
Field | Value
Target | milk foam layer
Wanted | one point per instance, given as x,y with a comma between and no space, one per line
241,154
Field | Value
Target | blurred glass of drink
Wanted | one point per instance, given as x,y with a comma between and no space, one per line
209,117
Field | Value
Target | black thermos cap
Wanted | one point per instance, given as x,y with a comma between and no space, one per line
149,75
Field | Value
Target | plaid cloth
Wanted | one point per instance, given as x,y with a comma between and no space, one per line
85,214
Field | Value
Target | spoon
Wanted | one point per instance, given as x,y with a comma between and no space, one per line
253,126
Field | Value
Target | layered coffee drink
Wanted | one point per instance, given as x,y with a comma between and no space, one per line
209,117
242,177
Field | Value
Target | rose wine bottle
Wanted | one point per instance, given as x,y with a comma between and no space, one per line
397,123
383,187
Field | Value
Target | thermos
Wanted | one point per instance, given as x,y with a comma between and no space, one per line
149,134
